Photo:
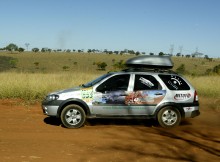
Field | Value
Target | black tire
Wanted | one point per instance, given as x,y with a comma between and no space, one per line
73,116
169,117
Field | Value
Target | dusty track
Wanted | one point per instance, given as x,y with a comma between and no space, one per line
28,135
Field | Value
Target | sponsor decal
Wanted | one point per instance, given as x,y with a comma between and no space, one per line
145,97
129,98
182,96
175,82
87,94
146,82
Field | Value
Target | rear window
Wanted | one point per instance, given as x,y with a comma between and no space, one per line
174,82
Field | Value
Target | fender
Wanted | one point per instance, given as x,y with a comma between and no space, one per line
176,105
73,101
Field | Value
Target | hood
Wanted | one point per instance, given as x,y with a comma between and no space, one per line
67,90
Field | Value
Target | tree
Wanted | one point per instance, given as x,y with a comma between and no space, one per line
137,53
89,51
44,49
178,54
131,52
68,50
11,47
161,54
21,49
35,49
151,53
116,52
206,57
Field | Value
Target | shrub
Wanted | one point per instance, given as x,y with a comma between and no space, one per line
36,65
65,68
101,65
13,63
181,69
119,65
216,69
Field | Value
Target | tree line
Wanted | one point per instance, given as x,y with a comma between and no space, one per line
13,47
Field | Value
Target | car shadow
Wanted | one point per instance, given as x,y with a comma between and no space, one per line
119,122
52,121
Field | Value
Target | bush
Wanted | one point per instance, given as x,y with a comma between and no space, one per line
119,65
13,63
101,65
65,68
216,69
181,69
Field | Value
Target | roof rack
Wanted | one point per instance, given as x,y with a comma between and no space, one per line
149,70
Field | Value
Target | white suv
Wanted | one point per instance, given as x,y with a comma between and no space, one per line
147,89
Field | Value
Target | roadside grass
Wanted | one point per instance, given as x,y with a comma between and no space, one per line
207,86
35,86
36,74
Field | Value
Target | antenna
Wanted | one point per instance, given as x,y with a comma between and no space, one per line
171,49
27,44
181,49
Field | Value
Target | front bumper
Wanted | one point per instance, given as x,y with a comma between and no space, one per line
50,108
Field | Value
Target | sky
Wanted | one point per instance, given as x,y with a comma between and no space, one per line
140,25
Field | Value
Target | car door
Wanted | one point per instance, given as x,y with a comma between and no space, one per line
147,93
109,96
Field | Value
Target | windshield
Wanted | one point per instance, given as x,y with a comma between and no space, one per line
93,82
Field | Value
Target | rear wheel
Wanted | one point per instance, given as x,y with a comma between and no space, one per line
73,116
169,117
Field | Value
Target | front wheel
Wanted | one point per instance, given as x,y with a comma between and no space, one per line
73,116
169,117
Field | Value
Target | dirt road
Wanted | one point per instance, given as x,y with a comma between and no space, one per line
27,135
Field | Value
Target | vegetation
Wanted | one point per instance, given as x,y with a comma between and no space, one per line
22,77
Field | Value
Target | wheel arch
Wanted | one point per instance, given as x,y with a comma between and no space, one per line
172,104
79,102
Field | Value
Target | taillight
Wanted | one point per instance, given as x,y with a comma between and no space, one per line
196,97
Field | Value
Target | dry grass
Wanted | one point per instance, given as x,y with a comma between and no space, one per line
35,86
29,82
208,86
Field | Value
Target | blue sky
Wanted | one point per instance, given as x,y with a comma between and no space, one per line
140,25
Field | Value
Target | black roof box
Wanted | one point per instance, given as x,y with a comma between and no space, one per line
151,62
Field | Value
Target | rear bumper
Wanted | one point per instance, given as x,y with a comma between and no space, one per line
191,111
195,113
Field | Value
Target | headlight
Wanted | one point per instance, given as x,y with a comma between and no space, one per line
52,97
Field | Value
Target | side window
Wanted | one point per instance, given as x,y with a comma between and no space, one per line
146,82
115,83
174,82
